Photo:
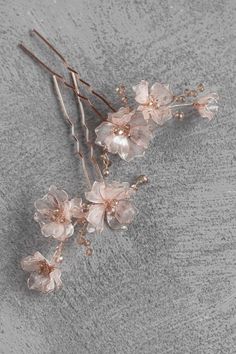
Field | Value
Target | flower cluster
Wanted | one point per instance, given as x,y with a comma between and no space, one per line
128,132
44,275
58,218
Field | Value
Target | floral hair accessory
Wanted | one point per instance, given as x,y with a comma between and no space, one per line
154,104
54,213
126,131
111,202
104,204
44,276
207,105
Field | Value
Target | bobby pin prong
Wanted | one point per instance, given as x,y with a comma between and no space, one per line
61,78
73,133
86,84
86,129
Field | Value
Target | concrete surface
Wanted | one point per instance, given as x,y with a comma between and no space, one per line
168,285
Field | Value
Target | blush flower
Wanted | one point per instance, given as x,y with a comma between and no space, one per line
110,203
154,104
44,276
54,213
207,105
125,133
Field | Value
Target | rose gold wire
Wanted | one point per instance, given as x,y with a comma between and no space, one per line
73,133
61,78
86,128
86,84
57,256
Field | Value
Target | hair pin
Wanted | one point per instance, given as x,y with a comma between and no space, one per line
126,132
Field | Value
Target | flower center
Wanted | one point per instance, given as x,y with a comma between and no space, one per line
123,131
45,268
111,206
57,216
152,102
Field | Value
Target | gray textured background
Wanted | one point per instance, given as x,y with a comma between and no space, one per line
168,285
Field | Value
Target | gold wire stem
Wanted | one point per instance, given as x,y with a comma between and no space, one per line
57,256
86,84
61,78
121,91
86,128
73,133
140,180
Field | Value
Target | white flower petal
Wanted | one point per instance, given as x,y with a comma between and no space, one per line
94,195
125,212
141,91
41,283
161,94
32,263
53,229
96,216
55,275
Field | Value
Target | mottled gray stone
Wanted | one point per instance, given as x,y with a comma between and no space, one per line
167,285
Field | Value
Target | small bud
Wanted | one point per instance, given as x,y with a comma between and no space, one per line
87,243
85,208
105,172
133,186
142,179
193,93
187,92
179,115
200,87
88,251
139,181
81,240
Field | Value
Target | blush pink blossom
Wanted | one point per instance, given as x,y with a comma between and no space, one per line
125,133
44,277
111,204
207,105
154,104
54,213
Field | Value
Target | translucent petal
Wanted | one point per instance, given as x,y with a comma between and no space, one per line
145,112
76,209
41,283
125,212
44,204
141,136
141,91
210,96
96,216
68,232
121,117
55,275
138,120
134,151
103,131
94,195
113,223
53,229
116,190
59,194
161,94
161,115
32,263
